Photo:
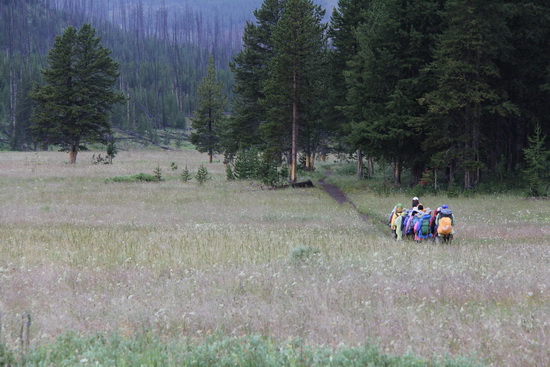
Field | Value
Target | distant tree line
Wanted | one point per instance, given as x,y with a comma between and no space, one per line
436,86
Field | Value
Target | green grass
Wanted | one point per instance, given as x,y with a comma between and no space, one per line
138,177
148,350
231,260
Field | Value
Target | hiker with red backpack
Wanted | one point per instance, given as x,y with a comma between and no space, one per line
444,223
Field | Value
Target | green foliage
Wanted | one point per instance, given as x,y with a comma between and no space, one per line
537,167
217,350
453,191
112,151
303,254
185,175
202,175
7,357
348,169
208,123
158,173
247,163
140,177
173,166
229,174
251,164
73,105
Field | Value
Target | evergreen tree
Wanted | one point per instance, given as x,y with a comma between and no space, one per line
384,80
536,159
345,19
290,91
465,94
208,123
74,104
250,69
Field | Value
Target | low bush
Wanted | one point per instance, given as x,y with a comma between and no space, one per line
139,177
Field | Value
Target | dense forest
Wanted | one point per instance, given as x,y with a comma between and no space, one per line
448,87
447,91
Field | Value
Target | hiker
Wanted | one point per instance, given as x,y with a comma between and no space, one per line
432,221
398,210
422,226
399,224
411,221
390,217
415,202
445,221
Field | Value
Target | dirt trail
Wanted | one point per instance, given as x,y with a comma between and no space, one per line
338,195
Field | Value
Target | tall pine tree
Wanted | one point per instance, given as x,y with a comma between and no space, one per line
465,94
209,119
290,91
250,67
73,106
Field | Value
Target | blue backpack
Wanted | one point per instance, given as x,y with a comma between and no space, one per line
424,230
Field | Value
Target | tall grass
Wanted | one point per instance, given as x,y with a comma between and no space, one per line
183,260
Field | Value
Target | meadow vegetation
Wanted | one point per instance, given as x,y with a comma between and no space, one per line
231,267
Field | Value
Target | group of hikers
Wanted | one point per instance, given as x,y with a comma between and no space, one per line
421,223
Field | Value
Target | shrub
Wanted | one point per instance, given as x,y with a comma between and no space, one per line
185,175
7,357
140,177
536,157
229,174
303,253
158,173
202,175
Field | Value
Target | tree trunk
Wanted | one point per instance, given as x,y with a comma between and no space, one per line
397,171
293,170
359,164
72,153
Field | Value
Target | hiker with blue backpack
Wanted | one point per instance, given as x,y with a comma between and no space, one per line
422,228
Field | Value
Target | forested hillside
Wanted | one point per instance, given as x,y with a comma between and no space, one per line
162,48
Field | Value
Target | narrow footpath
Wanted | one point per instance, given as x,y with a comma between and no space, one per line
338,195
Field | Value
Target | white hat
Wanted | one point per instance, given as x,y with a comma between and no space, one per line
415,198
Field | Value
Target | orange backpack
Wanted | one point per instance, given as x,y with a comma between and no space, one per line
445,226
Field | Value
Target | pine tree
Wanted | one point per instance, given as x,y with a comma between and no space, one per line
208,123
250,70
344,22
536,159
384,80
75,102
465,94
290,91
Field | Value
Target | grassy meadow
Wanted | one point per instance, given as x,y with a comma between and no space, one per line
183,261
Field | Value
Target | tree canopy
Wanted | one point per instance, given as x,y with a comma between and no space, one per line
74,103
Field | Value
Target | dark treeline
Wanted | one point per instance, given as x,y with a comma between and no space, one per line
446,90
